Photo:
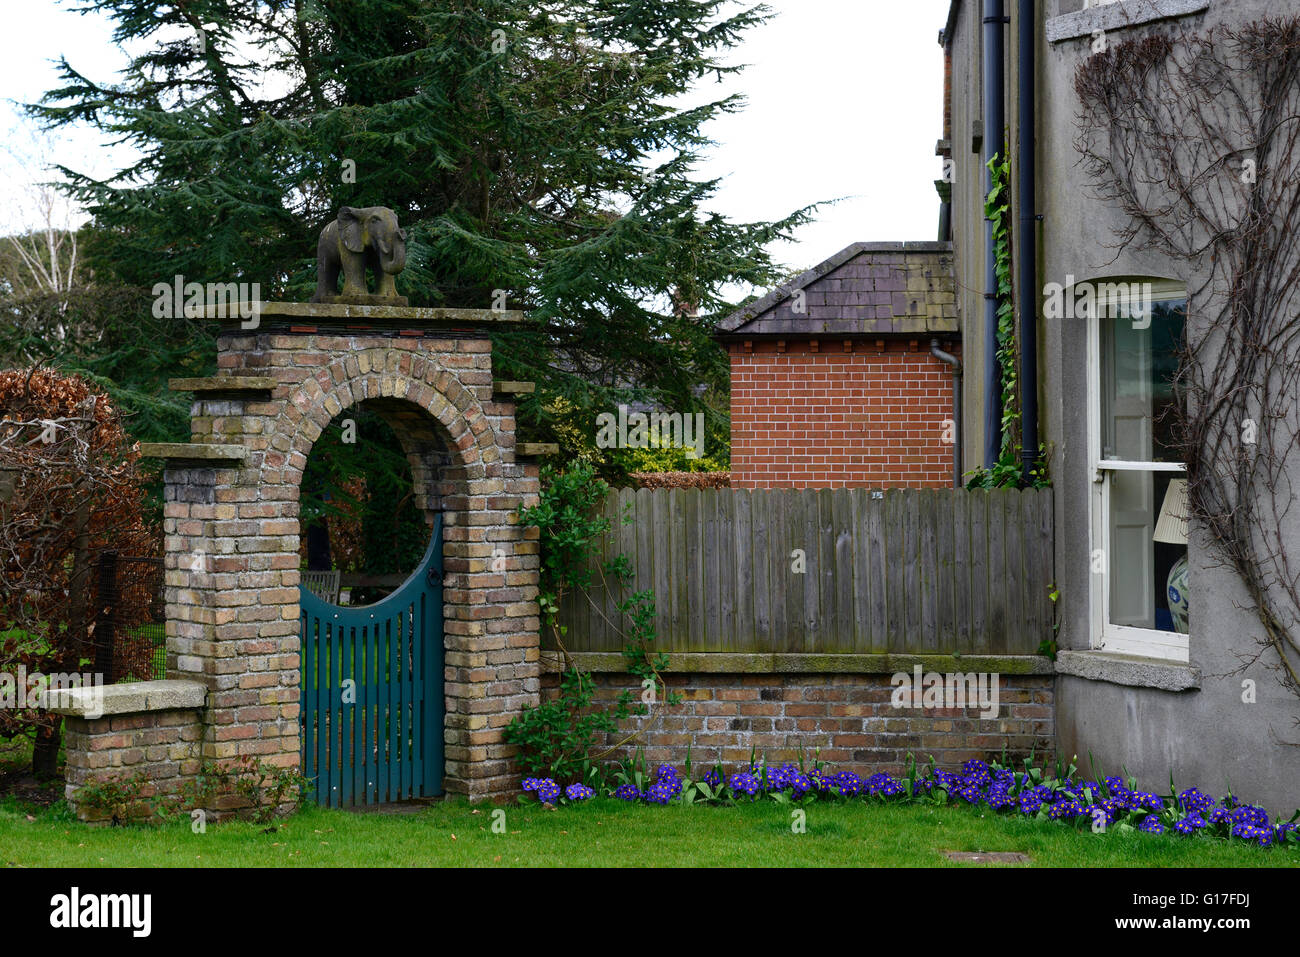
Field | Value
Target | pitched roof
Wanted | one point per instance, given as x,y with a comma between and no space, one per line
864,289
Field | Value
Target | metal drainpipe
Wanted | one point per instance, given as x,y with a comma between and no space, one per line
994,127
1026,246
945,210
952,360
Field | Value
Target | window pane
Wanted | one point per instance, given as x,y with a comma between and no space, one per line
1138,362
1139,567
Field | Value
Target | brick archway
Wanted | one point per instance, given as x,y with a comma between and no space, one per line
417,399
232,524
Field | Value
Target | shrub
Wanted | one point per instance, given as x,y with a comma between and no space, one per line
682,479
70,490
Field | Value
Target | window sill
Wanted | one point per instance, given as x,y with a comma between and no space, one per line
1128,670
1116,16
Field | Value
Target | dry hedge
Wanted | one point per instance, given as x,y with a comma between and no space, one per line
682,479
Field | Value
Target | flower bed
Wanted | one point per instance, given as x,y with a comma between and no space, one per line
1111,802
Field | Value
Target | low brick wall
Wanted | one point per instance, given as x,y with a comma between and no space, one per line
845,718
148,728
162,746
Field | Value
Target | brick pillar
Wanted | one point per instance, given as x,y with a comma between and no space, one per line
233,532
232,611
491,626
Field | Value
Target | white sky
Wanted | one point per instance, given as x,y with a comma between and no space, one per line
844,100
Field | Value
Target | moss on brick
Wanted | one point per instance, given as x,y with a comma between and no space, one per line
742,663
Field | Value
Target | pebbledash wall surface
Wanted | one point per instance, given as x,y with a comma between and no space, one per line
1153,717
232,535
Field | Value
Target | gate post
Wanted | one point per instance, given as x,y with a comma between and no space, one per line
231,572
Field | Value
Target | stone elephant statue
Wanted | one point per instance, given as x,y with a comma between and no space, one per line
360,239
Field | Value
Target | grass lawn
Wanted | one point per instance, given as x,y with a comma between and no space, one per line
605,832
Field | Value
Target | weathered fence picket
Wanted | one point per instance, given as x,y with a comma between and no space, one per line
841,571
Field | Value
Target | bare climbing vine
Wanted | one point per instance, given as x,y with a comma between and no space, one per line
1196,137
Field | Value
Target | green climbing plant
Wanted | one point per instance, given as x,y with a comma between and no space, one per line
997,209
560,737
1008,470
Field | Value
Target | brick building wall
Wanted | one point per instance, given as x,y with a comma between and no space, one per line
818,414
846,720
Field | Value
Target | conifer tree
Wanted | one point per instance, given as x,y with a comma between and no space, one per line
536,150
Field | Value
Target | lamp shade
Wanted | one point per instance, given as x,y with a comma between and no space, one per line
1171,526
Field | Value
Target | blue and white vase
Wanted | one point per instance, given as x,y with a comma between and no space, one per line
1178,595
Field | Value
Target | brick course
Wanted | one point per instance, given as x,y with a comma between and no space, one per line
844,719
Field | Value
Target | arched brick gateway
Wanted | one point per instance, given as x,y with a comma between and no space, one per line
232,535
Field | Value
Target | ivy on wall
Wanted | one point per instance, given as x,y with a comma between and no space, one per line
1009,470
997,209
560,737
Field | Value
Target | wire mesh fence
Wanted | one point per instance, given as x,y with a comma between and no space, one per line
128,639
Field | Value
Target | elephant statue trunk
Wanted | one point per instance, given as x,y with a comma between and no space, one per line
360,239
392,257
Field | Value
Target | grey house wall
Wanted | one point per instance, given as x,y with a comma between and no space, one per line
968,217
1153,719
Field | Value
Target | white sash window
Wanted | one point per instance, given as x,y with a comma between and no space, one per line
1137,569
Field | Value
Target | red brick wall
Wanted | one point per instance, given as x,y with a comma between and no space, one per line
847,718
163,746
831,419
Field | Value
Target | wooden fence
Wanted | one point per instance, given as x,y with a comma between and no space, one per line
921,571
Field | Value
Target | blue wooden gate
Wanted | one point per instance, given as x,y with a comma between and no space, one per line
372,692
